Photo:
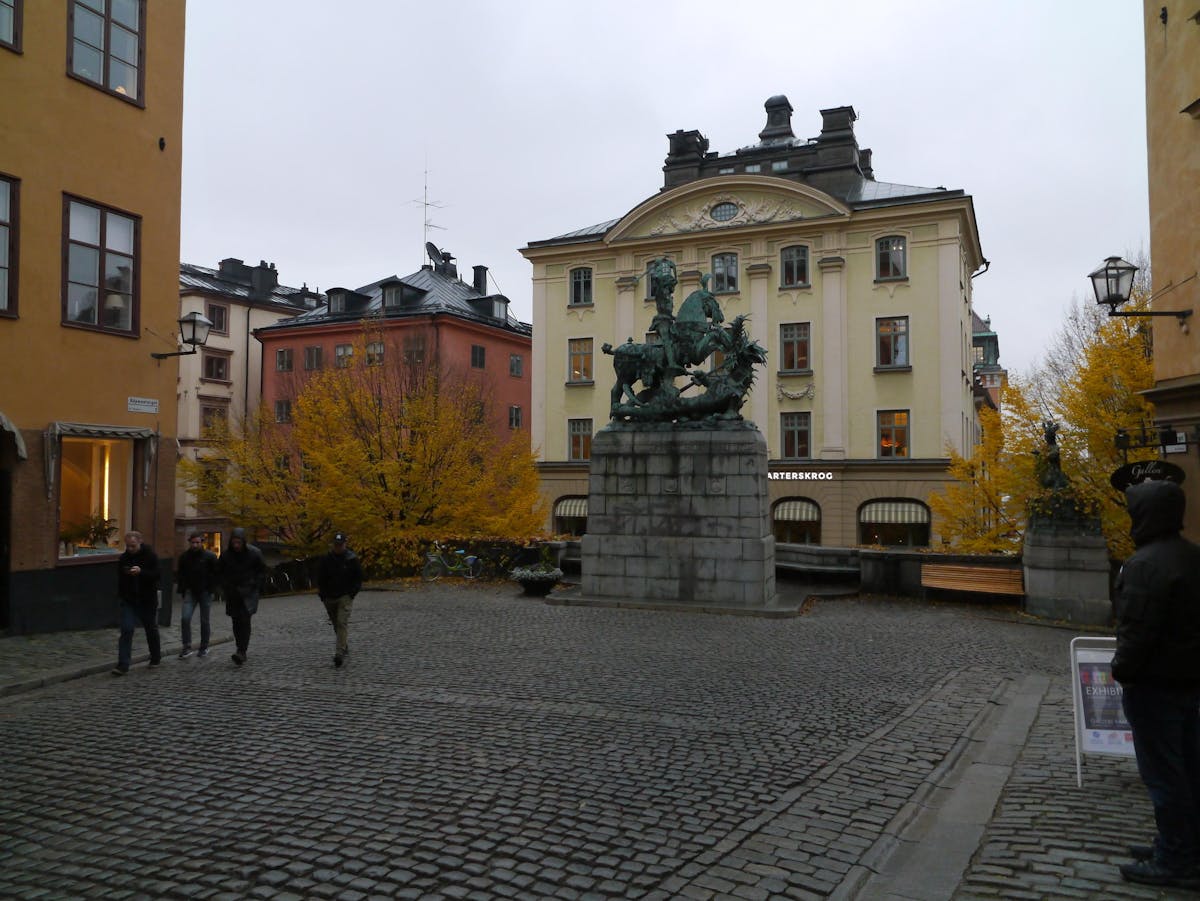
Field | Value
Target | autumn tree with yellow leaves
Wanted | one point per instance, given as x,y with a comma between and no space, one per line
1090,384
399,454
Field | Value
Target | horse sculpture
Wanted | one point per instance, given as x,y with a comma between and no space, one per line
685,340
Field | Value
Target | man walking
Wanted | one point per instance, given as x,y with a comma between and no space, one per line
339,579
137,587
241,572
196,575
1158,647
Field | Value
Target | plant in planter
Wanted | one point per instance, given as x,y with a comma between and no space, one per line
537,580
100,530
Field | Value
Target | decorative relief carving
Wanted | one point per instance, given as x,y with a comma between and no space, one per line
808,391
695,217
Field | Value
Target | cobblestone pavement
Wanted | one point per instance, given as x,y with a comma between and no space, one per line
482,745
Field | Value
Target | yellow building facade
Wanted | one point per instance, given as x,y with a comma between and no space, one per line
90,172
1172,33
860,291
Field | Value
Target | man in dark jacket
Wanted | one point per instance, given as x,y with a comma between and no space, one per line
196,575
339,579
1157,663
137,587
241,572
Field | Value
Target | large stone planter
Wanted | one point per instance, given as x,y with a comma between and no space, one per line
679,515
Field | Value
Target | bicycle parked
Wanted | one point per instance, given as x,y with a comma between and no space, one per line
460,563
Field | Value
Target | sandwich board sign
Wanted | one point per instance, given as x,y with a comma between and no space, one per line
1100,724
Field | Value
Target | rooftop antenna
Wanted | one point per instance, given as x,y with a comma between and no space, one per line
428,204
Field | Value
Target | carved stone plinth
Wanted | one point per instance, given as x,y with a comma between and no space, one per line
1067,575
679,515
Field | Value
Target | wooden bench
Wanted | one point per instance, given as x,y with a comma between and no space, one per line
976,579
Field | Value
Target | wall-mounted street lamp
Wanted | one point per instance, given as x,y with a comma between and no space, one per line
1162,437
1113,282
193,332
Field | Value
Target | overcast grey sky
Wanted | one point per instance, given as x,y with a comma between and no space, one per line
308,127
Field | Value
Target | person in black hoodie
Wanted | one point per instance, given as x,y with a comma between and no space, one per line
137,587
1157,662
196,575
241,572
339,579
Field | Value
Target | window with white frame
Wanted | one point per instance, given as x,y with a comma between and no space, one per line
343,355
375,353
724,273
794,434
579,360
101,267
516,365
891,342
514,417
891,258
283,359
579,440
793,266
794,347
581,286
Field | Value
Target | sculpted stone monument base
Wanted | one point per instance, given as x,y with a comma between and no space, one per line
1067,575
678,515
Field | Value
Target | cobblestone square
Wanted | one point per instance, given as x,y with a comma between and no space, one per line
483,745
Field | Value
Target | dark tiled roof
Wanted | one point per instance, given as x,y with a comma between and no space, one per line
580,234
442,294
201,278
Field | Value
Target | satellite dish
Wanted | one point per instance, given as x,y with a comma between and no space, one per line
435,255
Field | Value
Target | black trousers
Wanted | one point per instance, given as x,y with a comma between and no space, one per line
237,611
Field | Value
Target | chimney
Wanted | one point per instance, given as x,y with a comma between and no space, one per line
837,123
480,279
234,270
779,119
263,280
864,163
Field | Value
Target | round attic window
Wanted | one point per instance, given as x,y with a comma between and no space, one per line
723,212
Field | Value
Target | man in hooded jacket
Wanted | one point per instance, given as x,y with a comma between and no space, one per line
241,571
1157,662
338,581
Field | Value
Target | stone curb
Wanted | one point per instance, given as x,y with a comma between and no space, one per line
82,670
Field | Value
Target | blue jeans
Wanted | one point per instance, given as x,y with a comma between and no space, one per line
185,618
131,616
1166,738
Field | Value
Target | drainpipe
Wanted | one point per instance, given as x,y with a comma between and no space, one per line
246,366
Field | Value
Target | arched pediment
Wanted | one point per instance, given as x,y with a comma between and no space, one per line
752,200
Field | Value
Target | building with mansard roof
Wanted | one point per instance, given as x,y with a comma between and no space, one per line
860,289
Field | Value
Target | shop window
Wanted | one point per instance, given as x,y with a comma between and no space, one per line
570,516
796,520
95,495
897,522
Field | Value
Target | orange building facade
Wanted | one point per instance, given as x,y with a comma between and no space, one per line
90,175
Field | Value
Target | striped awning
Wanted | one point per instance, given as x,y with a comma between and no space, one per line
571,506
797,510
894,512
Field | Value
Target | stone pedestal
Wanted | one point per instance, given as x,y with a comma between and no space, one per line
679,516
1067,575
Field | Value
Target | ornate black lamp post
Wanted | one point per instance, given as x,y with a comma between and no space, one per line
193,332
1113,282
